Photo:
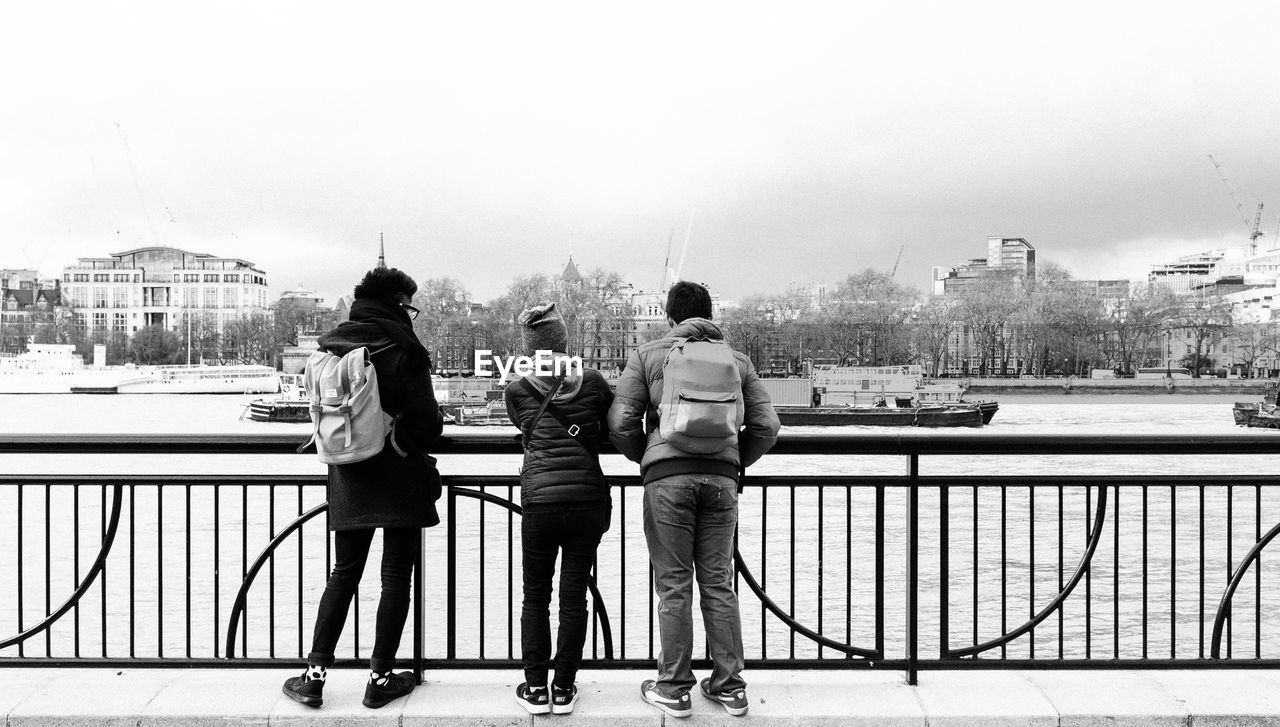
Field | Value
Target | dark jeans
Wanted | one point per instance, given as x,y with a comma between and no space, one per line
689,522
544,532
351,550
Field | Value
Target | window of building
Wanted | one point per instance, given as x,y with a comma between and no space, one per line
66,277
99,321
228,297
191,278
119,322
82,277
230,278
99,297
210,298
119,297
190,297
120,278
175,277
211,277
101,277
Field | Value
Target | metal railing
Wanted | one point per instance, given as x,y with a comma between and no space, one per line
908,550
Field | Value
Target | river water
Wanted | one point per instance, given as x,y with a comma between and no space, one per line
1008,551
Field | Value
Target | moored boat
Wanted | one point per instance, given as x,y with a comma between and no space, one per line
892,396
1258,415
937,415
292,405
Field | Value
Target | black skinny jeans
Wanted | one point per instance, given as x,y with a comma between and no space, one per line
351,550
544,532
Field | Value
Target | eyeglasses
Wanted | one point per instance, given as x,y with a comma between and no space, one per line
413,312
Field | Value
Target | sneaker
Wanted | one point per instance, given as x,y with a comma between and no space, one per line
534,699
734,702
562,700
398,684
299,689
676,706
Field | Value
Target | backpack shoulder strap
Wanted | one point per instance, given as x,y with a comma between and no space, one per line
537,396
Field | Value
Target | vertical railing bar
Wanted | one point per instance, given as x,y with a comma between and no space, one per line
133,561
1115,572
75,564
217,564
622,572
1031,580
48,566
451,575
1201,620
1061,552
1230,537
1173,571
764,574
301,575
271,574
159,571
791,606
913,573
1004,567
187,552
244,562
821,524
1144,571
511,580
1257,574
848,564
880,604
944,570
1088,579
976,570
480,610
102,528
21,551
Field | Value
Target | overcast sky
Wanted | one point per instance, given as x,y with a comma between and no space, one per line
787,141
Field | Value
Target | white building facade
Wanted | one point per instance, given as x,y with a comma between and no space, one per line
161,286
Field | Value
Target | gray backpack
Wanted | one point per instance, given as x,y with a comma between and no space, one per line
702,408
348,422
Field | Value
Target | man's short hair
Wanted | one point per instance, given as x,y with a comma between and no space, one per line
688,300
383,283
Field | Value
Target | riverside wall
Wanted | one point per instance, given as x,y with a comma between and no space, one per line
1242,387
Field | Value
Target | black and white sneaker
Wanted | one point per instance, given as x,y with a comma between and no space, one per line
733,701
677,705
305,691
562,699
535,700
388,687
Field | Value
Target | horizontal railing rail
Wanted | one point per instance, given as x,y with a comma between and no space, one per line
974,550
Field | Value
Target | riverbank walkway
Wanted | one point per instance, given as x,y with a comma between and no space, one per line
475,698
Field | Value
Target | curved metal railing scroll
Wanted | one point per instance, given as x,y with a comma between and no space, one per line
1224,606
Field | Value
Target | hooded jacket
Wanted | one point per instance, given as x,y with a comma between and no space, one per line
388,490
633,418
559,469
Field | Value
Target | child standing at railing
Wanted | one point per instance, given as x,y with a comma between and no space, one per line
566,507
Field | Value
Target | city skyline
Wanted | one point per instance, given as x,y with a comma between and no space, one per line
491,142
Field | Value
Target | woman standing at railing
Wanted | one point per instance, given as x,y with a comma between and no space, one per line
395,490
566,507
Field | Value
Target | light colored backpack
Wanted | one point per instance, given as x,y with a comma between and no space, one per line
346,410
702,408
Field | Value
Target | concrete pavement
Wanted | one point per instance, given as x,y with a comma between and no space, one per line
463,698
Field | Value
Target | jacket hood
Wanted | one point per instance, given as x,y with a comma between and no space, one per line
350,335
696,328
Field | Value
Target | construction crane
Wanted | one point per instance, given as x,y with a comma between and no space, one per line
1254,227
897,260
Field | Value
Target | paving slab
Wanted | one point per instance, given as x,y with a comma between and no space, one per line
991,698
216,698
855,697
102,697
1110,698
466,698
1225,698
16,685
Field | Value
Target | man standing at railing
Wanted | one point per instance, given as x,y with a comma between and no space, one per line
693,413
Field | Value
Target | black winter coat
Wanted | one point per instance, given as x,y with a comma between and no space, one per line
557,468
388,490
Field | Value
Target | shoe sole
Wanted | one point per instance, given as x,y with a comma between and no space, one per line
564,708
533,708
735,711
380,703
678,714
304,699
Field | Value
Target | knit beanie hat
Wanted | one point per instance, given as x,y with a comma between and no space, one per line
542,329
